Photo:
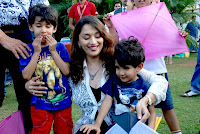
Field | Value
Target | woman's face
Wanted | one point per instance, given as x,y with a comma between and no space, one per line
91,41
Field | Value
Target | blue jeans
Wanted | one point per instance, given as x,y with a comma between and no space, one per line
195,82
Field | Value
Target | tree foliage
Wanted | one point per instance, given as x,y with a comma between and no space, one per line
177,9
62,6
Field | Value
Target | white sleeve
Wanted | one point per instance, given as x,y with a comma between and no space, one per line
158,83
35,2
71,84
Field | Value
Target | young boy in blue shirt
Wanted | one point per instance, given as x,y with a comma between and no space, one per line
49,60
126,87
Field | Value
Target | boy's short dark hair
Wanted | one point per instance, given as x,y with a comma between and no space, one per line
47,13
129,52
193,16
117,2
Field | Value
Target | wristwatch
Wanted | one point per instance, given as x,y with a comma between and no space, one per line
149,100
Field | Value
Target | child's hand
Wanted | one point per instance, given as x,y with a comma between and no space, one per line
88,128
51,42
37,44
107,20
183,33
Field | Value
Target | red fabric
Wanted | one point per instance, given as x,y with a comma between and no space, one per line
89,10
42,121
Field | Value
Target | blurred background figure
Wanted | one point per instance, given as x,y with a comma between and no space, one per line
123,8
8,81
192,28
117,5
77,11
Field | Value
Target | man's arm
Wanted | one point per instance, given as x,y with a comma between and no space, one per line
16,46
71,26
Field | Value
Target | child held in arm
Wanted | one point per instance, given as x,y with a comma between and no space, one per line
49,60
126,87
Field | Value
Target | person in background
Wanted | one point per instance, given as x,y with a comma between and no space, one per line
193,29
14,35
77,11
158,67
195,87
168,59
117,5
8,81
123,8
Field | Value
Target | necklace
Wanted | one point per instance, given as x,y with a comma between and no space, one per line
79,11
93,75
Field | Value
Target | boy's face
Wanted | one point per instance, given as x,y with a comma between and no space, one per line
118,5
142,3
128,73
41,28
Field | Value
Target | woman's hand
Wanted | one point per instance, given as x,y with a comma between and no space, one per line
35,87
141,109
88,128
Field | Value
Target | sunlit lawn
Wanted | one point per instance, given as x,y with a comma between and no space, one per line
179,73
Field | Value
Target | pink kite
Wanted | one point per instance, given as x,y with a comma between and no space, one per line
154,27
13,124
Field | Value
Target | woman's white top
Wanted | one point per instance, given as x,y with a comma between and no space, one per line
85,99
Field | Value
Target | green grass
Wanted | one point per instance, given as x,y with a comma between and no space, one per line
187,109
179,73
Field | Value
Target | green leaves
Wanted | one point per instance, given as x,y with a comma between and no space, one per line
177,9
62,6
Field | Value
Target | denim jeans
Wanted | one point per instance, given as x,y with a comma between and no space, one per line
195,82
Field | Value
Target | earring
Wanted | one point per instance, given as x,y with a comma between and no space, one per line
79,45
